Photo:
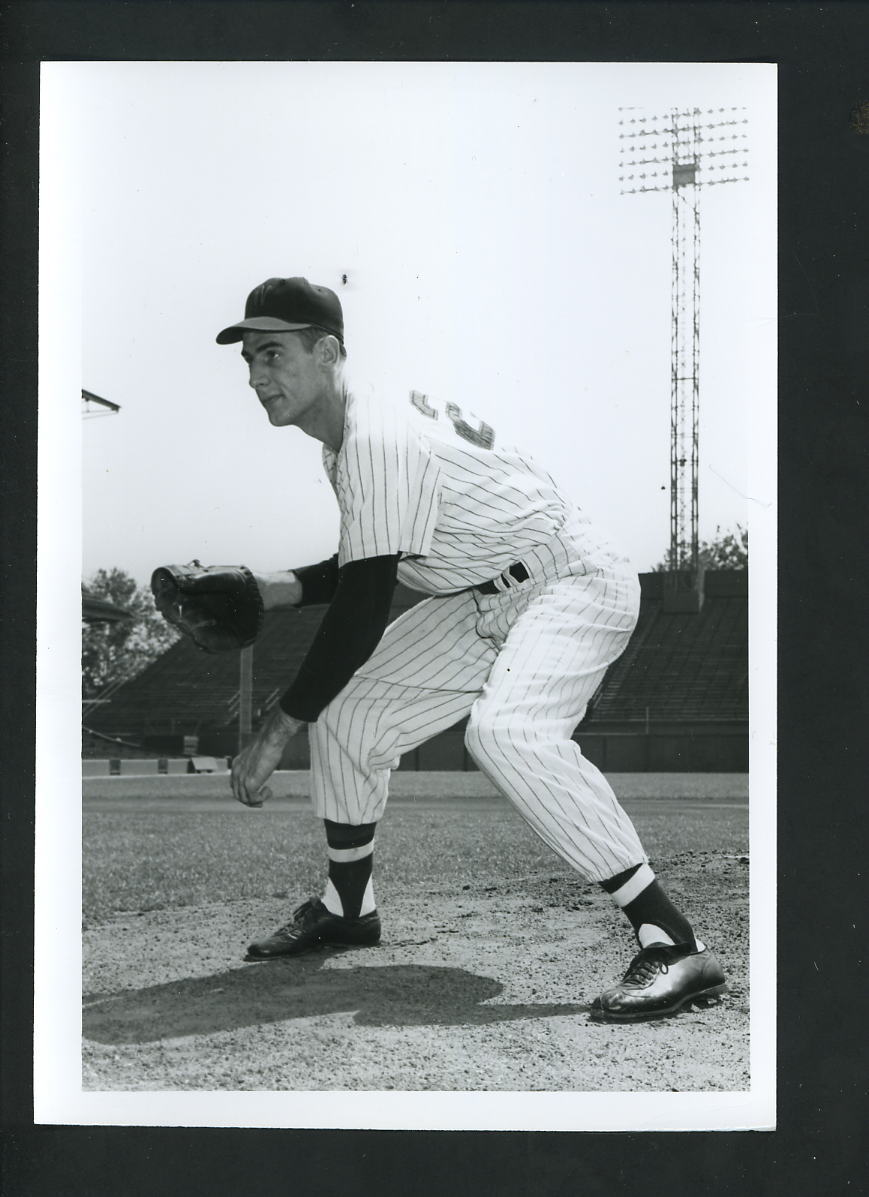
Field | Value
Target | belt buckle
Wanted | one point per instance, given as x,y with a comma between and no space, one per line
514,575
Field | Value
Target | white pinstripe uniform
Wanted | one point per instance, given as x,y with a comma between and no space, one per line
522,663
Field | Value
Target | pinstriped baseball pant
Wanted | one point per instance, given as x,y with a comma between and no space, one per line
523,664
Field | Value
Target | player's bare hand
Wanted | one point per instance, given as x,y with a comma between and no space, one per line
255,764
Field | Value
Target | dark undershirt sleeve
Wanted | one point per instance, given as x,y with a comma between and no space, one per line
350,632
319,582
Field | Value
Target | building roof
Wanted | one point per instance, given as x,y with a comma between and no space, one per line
97,610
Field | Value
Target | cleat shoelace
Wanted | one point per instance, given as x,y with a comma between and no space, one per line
646,965
293,930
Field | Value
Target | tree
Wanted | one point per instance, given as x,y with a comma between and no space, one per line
116,652
727,550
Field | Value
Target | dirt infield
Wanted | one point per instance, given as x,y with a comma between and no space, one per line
491,955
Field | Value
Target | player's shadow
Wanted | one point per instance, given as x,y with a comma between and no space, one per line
394,995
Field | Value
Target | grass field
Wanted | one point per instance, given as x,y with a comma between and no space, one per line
159,843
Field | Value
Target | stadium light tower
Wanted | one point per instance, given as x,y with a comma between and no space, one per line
681,151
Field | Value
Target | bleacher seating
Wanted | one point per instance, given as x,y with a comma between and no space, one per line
683,667
186,690
679,667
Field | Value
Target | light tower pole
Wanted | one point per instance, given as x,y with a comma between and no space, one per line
681,151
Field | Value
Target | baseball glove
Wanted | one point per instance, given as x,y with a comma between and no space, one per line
218,606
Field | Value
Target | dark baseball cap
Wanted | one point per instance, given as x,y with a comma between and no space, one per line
286,304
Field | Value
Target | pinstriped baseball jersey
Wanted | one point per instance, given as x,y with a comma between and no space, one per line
520,659
433,485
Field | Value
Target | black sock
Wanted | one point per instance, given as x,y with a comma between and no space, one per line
349,878
650,907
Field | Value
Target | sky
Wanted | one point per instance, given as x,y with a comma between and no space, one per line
490,260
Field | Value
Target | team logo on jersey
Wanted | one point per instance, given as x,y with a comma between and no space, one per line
480,433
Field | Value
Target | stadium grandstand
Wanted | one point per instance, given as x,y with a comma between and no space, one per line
677,700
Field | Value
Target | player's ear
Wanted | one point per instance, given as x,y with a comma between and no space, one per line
328,350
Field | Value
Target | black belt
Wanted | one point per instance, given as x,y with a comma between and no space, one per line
517,571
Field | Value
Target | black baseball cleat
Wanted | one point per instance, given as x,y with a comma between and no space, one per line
660,980
312,925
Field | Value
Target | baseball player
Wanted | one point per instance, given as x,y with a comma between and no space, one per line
526,608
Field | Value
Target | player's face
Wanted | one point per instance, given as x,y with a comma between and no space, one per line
284,373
